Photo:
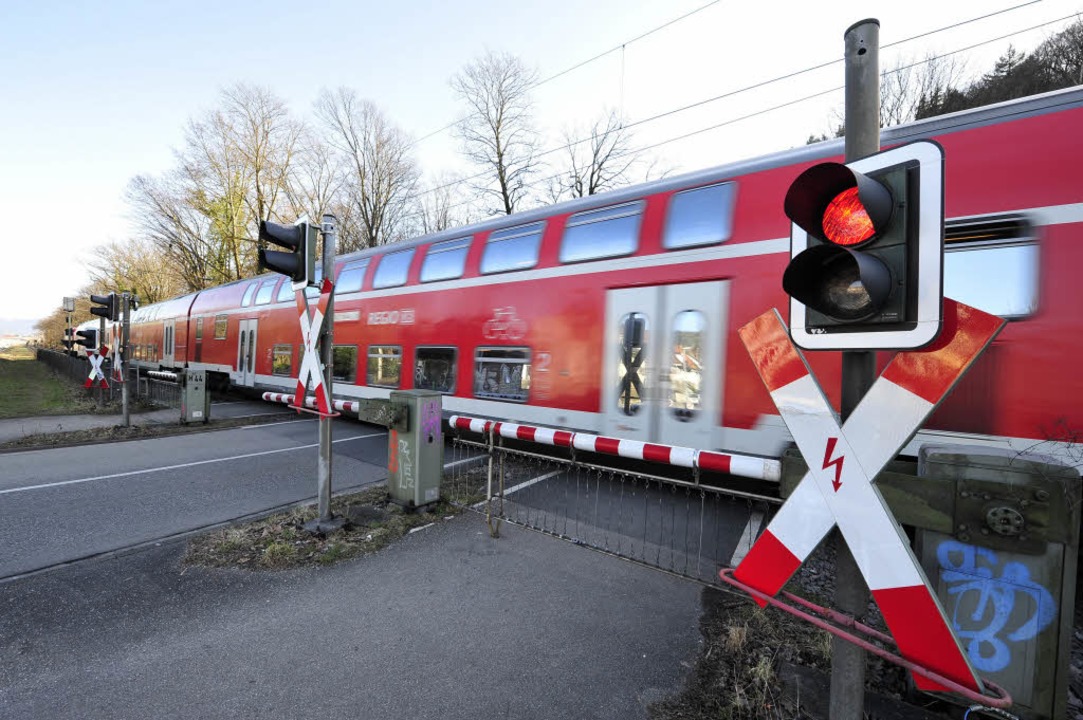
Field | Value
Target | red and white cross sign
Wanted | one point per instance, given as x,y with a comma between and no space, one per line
838,488
311,369
96,373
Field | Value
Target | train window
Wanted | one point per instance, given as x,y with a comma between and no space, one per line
391,272
344,363
686,365
633,370
199,329
248,294
351,276
445,260
608,232
285,291
502,373
266,291
384,366
703,216
434,369
221,322
282,360
512,249
992,264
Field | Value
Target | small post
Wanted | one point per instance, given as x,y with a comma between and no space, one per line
862,50
327,339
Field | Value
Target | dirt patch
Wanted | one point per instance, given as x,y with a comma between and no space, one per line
280,541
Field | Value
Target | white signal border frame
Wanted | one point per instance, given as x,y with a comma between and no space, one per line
930,158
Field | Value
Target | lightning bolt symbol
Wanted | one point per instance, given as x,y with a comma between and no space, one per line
837,462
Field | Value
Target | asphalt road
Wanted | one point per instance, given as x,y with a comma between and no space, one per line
63,504
446,623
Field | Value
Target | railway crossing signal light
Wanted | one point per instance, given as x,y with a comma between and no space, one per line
109,306
866,250
299,263
69,340
87,338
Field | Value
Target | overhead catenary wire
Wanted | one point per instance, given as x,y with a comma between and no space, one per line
764,111
580,64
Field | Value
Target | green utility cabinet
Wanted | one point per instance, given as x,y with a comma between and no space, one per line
415,448
1005,572
195,400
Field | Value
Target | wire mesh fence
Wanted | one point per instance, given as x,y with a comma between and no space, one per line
687,528
142,388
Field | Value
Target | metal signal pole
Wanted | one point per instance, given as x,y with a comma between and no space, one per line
862,58
122,353
327,355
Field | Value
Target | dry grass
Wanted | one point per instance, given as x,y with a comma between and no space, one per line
280,542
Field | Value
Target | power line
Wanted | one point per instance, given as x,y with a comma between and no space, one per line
749,88
780,106
578,65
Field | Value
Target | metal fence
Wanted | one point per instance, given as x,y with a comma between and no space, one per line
143,389
690,528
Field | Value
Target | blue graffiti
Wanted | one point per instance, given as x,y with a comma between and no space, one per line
969,569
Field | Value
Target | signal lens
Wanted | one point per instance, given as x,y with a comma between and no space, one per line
846,222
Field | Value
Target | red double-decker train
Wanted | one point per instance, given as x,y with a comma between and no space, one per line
525,317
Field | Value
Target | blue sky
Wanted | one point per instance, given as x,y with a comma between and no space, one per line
94,93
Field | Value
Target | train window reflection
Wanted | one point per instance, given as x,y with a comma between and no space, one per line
285,291
392,269
351,276
384,366
221,322
502,373
445,260
703,216
686,365
512,249
434,369
608,232
266,290
633,368
999,280
282,360
247,299
344,363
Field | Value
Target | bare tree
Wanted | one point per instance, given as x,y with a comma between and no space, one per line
909,83
441,205
136,266
596,160
498,132
381,175
181,232
231,173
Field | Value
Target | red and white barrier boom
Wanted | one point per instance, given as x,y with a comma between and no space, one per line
838,487
747,466
310,402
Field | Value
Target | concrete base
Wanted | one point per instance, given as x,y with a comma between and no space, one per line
327,526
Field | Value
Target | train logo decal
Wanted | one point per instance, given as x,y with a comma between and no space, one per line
985,608
505,324
403,316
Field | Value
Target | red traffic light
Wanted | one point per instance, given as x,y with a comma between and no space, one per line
835,204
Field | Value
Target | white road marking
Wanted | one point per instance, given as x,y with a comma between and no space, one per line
748,538
130,473
520,486
466,460
263,425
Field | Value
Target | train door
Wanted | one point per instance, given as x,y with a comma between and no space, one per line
246,353
168,328
664,362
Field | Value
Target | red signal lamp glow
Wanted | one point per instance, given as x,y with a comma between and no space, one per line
846,221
